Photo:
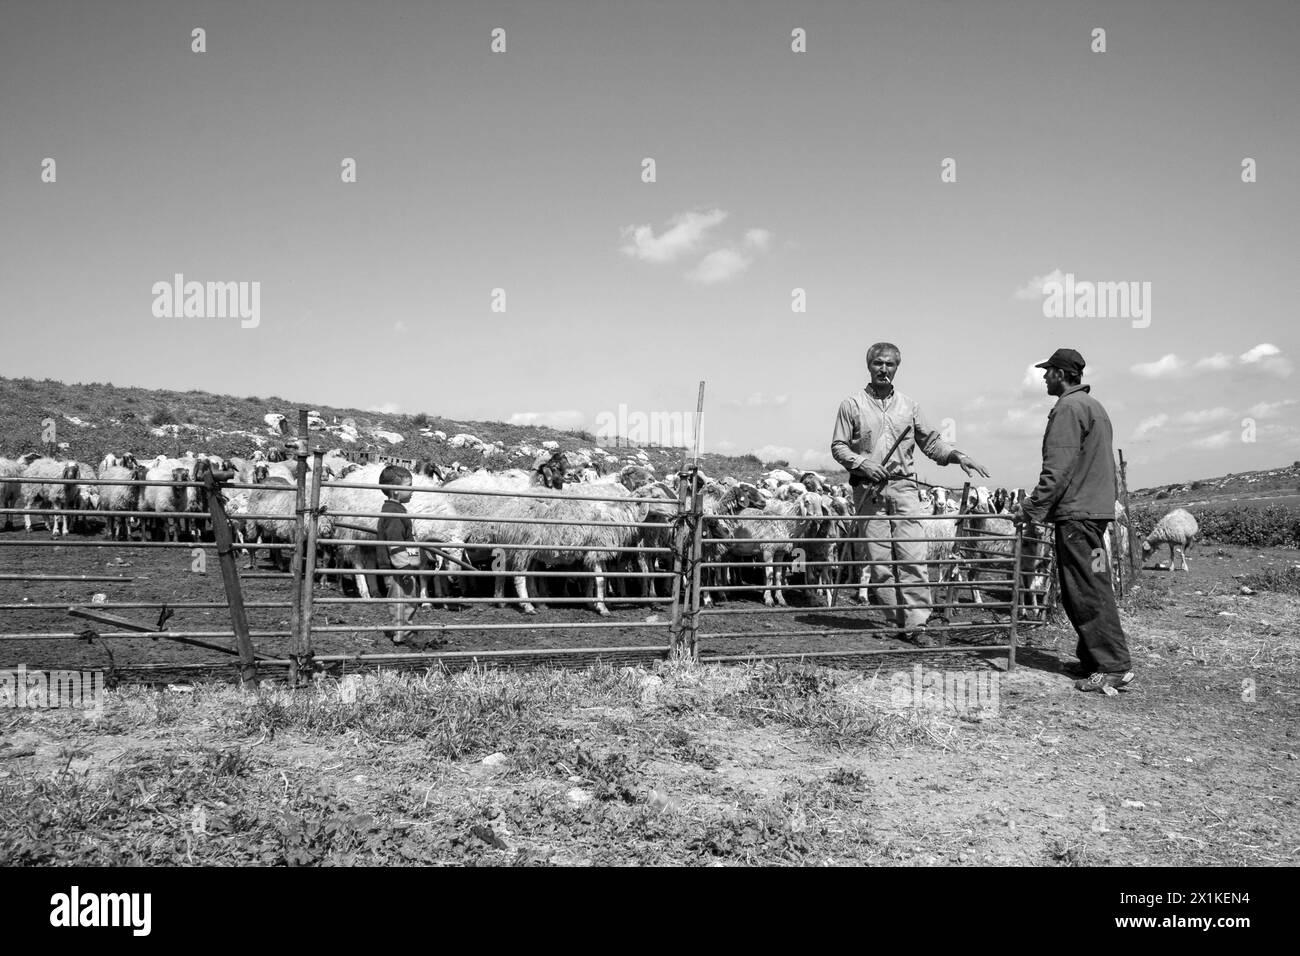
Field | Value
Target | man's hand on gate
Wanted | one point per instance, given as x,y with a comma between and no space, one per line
970,465
871,471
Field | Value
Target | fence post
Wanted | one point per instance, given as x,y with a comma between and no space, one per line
697,556
301,653
680,541
230,577
295,561
1133,563
1015,597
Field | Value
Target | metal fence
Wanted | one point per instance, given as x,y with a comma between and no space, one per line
1002,573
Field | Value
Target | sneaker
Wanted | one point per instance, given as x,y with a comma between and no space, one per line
1100,681
923,639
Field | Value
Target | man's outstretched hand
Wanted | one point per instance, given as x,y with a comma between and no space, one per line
971,466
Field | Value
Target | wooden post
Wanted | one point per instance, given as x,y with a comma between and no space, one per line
697,556
680,541
301,653
230,577
295,565
1134,564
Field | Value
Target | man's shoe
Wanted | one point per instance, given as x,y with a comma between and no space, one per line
1101,682
923,639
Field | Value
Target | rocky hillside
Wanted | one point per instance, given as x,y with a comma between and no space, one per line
88,420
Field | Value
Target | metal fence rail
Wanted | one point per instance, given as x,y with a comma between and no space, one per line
1002,573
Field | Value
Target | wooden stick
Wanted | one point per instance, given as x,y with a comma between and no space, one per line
230,577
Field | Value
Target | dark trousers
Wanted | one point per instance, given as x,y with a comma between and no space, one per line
1087,595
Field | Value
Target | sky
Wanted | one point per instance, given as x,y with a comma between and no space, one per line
920,172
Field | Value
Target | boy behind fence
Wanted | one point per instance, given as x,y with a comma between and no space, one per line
396,526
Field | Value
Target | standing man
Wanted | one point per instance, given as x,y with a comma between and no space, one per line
876,432
1076,490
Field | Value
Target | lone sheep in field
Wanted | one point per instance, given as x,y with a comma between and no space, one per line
1178,529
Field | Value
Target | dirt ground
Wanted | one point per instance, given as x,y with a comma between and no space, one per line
704,764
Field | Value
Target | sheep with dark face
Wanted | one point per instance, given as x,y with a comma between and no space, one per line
121,498
53,485
1179,531
164,499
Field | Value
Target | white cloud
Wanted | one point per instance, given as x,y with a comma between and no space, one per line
1205,416
724,447
388,408
686,232
1033,380
1264,357
1161,368
719,266
569,418
1148,425
774,453
819,460
759,400
1214,363
758,239
1270,409
399,326
1260,352
1268,358
1215,441
1033,289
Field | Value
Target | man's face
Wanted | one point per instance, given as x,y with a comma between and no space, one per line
1055,380
882,367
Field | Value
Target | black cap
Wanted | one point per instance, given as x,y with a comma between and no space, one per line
1067,360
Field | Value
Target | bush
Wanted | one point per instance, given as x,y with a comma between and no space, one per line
1162,496
163,416
1268,526
419,420
1196,486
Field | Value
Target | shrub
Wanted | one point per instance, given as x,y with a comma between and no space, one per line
162,416
1267,526
419,420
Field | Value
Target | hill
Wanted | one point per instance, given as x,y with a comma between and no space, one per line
90,420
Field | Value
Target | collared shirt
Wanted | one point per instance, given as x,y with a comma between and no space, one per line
1078,476
396,528
866,428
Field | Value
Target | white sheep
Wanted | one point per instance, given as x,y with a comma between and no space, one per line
121,498
52,484
1178,529
165,500
434,520
590,531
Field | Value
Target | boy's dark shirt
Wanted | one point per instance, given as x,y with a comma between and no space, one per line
391,529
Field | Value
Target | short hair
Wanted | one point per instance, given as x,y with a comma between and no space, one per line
1071,378
394,475
884,347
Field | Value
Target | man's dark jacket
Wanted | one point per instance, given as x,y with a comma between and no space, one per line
1078,477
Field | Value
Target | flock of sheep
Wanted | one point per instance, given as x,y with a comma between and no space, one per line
487,521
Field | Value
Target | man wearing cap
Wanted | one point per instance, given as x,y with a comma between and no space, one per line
877,430
1076,491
